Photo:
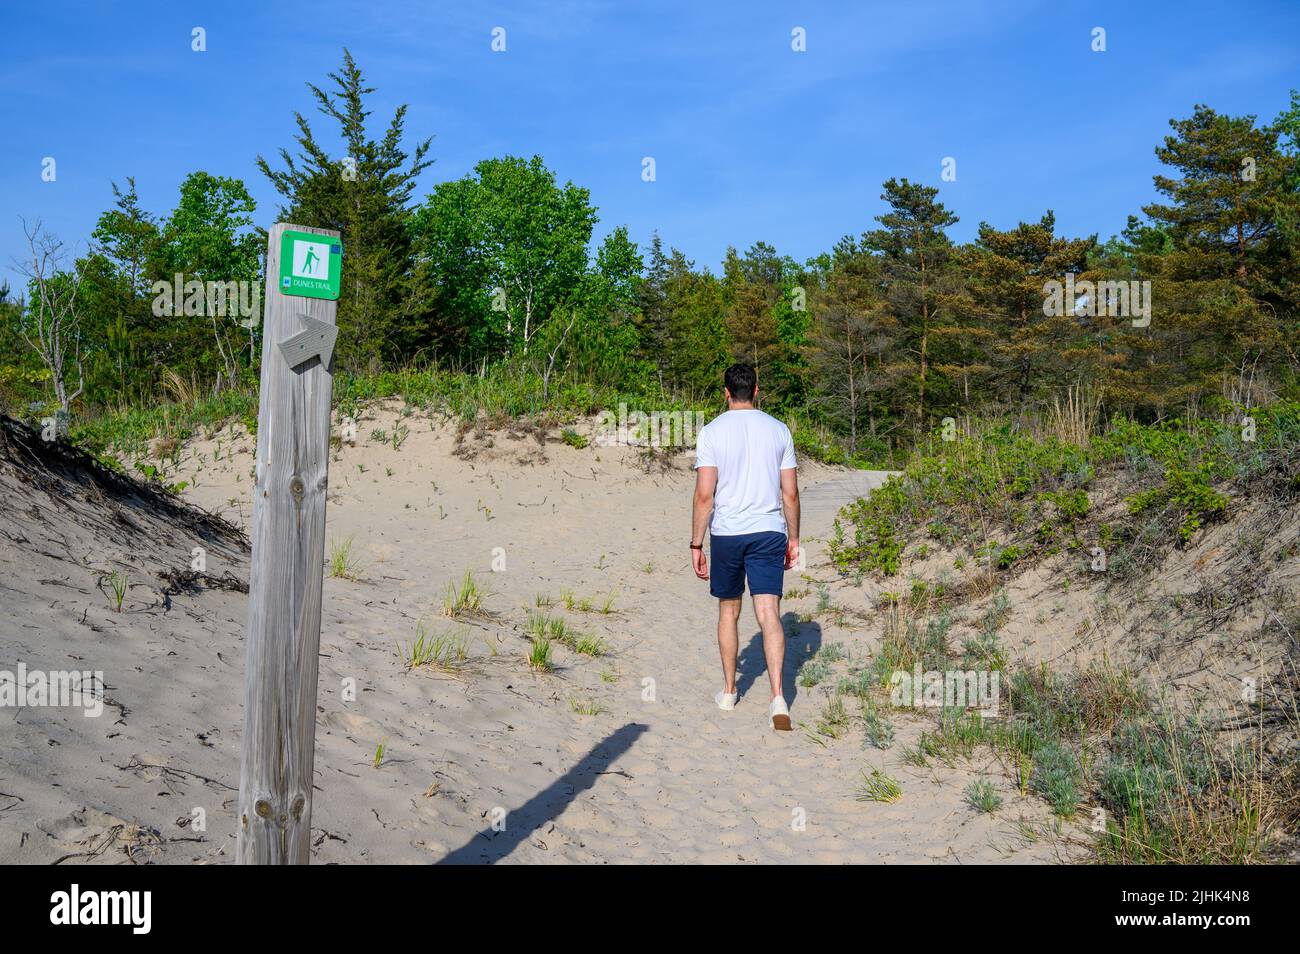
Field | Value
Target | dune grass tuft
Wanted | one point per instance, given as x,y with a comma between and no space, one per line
539,656
586,707
834,720
344,565
876,786
556,629
465,600
441,650
119,583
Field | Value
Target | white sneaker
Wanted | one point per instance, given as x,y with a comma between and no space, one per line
778,715
726,700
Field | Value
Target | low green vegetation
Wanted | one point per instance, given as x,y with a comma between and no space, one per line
876,786
553,628
588,645
1155,786
1002,493
573,438
879,730
119,583
344,564
834,720
439,650
982,797
816,669
465,599
582,604
539,655
1152,781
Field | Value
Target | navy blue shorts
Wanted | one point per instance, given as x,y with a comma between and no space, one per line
759,556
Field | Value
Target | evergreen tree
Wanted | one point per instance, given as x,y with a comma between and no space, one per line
656,345
750,286
919,275
1028,352
383,311
1211,330
696,327
852,333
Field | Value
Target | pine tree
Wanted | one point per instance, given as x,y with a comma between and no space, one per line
919,276
751,289
696,327
653,318
852,334
1028,352
364,195
1211,329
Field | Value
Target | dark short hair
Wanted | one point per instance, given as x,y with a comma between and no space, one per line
741,379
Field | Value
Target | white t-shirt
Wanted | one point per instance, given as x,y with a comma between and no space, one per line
750,449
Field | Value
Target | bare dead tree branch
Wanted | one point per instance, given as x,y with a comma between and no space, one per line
48,324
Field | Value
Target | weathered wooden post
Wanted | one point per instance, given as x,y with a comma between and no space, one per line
284,588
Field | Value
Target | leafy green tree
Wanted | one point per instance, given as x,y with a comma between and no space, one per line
21,375
604,342
509,246
210,237
126,344
617,279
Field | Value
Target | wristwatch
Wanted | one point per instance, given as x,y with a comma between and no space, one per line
697,546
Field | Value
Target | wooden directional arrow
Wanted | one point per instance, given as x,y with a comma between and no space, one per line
316,340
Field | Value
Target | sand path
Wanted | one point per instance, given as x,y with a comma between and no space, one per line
491,762
660,774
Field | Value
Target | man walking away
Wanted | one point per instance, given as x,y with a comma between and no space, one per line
745,476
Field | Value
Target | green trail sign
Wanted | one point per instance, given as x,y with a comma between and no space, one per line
310,265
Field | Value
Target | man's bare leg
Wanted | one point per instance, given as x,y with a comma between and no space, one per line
767,609
728,641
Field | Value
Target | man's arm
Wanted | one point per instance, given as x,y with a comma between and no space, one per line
706,482
790,505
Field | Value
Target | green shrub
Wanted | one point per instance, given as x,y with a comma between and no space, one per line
1037,490
1056,777
573,438
1190,493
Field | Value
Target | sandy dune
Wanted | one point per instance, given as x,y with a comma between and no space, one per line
489,762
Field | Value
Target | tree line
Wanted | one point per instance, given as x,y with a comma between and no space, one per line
877,339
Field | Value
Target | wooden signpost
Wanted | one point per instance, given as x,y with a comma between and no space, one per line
284,588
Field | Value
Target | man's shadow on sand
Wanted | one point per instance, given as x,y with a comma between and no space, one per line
801,641
488,847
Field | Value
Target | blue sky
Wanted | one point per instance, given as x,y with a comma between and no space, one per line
751,139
